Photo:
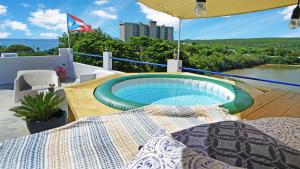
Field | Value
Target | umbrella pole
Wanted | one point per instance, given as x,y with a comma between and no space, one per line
179,32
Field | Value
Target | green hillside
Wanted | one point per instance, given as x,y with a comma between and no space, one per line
288,43
215,55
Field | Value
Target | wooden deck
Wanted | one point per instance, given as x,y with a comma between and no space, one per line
274,103
82,103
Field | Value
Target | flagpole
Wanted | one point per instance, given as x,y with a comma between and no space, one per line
69,45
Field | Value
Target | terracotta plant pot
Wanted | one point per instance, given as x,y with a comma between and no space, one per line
62,76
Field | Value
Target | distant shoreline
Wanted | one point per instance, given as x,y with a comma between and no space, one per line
280,65
42,44
24,39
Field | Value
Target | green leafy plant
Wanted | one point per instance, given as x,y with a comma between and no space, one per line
18,48
41,107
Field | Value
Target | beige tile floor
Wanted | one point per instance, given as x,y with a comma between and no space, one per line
10,126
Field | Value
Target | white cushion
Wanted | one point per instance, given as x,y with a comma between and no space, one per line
162,151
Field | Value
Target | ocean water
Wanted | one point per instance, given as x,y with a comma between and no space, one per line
42,44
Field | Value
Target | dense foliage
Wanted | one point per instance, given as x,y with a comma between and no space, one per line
41,107
138,48
216,55
18,48
23,50
270,43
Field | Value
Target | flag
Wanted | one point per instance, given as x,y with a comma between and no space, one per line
75,24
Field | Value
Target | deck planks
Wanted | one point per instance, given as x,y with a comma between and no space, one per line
82,103
275,103
294,111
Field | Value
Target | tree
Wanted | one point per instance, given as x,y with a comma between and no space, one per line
215,55
2,48
19,48
90,42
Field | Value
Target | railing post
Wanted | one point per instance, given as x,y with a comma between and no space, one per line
174,66
107,60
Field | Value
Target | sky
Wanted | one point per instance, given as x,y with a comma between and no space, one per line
42,19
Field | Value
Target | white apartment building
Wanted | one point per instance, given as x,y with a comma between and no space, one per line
139,29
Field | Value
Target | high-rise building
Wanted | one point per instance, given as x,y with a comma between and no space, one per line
139,29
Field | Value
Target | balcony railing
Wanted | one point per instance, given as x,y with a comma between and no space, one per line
195,70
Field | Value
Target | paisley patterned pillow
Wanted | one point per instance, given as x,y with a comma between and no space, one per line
162,151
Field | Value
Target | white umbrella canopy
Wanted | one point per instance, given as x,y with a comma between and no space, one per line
185,9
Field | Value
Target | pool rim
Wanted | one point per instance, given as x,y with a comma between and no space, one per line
103,93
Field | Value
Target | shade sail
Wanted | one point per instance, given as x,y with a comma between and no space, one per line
185,9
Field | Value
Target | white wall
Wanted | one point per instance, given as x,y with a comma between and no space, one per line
84,69
10,66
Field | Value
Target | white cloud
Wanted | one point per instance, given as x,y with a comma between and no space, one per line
101,2
4,34
160,17
25,5
3,9
50,19
287,12
104,14
112,9
15,25
48,35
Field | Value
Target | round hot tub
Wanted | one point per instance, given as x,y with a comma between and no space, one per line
133,91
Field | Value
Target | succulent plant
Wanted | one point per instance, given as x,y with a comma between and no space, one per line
41,107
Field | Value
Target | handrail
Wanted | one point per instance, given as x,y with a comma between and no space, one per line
196,70
238,76
140,62
84,54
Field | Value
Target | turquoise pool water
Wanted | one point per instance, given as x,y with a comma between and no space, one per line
162,93
135,91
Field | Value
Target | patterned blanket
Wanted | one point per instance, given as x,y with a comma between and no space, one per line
239,144
112,141
104,141
284,129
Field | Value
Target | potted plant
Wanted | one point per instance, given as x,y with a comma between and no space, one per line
41,112
61,73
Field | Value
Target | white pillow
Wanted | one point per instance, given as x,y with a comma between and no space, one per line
162,151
